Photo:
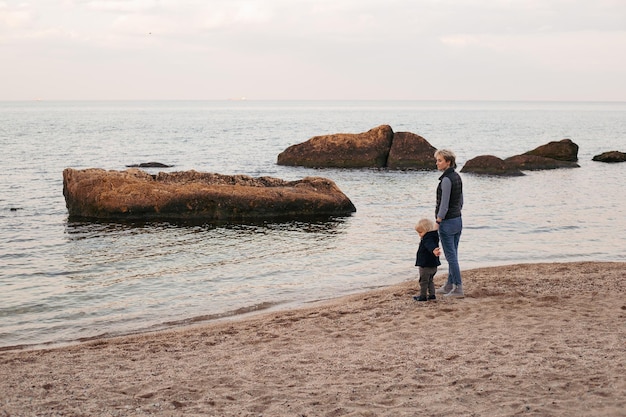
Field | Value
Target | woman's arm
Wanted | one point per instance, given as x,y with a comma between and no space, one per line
446,190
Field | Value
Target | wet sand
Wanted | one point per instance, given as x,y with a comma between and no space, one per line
531,339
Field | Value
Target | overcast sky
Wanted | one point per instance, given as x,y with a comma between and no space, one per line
313,49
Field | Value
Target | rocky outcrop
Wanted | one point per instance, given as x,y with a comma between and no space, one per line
553,155
382,148
342,150
190,195
526,162
379,147
611,156
563,150
411,151
491,165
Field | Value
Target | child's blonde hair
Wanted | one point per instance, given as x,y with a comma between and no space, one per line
425,225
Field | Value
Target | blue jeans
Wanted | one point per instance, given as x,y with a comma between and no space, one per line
450,234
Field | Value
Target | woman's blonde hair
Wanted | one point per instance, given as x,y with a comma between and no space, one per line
448,155
425,225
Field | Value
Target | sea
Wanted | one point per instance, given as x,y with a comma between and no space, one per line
64,281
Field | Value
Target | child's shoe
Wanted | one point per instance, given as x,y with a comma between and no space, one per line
432,297
420,298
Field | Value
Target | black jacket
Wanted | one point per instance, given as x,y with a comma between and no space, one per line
425,256
456,194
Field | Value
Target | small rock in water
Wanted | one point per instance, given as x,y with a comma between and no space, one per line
150,165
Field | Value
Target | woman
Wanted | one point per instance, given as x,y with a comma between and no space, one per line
448,213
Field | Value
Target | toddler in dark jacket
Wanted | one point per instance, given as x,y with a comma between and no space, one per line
427,258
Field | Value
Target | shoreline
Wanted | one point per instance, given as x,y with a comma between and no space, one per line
538,339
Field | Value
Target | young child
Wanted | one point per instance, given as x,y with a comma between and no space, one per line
427,258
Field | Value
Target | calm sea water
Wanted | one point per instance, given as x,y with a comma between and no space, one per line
61,281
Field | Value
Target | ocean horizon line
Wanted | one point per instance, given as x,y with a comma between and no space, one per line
246,99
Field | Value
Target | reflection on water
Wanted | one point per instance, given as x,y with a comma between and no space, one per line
122,277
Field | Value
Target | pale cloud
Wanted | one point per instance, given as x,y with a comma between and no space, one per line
14,21
575,51
463,40
12,18
466,49
234,15
562,51
122,6
141,24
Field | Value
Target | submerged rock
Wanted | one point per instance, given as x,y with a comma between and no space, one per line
149,165
190,195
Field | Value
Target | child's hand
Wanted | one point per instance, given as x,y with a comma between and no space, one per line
437,251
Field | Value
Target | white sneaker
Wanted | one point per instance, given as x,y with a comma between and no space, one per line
444,289
456,292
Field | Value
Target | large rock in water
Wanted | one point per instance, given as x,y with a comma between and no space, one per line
491,165
563,150
379,147
136,195
552,155
411,151
537,163
341,150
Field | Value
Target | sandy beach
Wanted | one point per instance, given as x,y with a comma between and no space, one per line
531,339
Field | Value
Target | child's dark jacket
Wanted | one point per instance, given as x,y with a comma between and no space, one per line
425,256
